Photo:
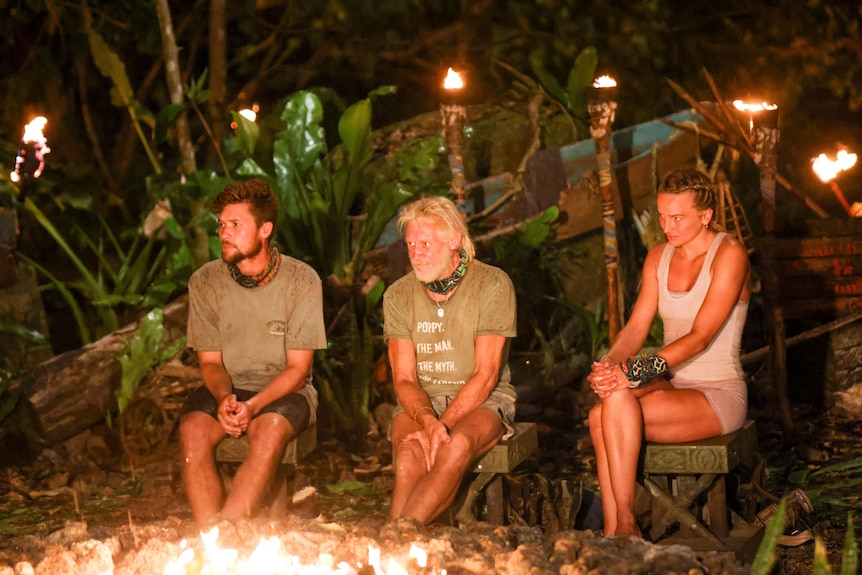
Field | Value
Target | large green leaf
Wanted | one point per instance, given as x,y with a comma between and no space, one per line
110,66
247,134
303,133
581,76
354,127
546,79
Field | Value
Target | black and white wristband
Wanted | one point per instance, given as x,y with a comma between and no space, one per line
643,368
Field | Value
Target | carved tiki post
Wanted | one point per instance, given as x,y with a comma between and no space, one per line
602,106
766,134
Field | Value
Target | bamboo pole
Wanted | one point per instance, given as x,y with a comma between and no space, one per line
602,108
762,352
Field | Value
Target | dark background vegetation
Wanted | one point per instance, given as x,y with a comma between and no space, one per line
802,56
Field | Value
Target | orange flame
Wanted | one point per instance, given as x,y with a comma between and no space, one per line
753,107
37,144
604,82
453,80
827,169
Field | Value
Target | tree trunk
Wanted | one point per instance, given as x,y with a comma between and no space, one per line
218,76
73,391
175,85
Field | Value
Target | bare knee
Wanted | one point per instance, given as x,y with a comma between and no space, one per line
409,459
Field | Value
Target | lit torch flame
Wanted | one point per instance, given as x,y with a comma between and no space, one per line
604,82
453,80
827,169
30,160
753,109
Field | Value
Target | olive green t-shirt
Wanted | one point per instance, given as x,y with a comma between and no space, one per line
254,327
483,304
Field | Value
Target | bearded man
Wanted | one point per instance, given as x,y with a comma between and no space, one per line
255,319
447,326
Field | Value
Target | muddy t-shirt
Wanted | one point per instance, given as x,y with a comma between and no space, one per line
483,304
253,328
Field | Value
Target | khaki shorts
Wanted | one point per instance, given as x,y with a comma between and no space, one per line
500,403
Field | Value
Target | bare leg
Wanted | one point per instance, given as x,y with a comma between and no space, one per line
199,434
409,464
609,507
473,436
622,433
268,434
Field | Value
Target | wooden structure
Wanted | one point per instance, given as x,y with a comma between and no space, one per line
488,473
232,451
687,487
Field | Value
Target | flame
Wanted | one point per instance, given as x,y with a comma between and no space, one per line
604,82
453,80
269,559
34,142
827,169
746,107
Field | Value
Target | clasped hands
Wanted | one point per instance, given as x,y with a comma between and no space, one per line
607,377
430,438
234,416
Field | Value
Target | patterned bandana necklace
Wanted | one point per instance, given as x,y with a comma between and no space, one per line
444,286
263,277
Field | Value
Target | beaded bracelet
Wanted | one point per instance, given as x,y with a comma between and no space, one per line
643,368
418,411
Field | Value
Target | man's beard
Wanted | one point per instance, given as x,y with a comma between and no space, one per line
237,256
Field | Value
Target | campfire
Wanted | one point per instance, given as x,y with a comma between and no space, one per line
269,558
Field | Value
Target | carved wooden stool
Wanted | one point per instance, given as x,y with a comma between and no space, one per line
686,483
234,450
489,469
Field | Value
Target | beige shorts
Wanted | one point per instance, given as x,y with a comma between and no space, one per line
498,402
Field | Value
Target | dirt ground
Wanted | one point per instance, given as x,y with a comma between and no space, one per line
90,479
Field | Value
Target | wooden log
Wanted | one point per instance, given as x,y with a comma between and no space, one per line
73,391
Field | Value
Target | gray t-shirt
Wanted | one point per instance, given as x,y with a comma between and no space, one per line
483,304
253,328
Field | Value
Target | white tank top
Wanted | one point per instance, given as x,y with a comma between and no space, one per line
720,361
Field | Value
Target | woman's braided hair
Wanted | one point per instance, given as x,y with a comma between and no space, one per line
698,184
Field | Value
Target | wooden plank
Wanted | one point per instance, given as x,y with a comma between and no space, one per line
805,308
821,287
823,247
834,266
235,449
508,454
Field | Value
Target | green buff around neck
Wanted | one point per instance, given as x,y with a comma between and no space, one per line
444,286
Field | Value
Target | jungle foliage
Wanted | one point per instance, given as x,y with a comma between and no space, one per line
118,221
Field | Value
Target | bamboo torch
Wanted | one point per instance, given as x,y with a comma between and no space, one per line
602,105
454,115
766,135
827,170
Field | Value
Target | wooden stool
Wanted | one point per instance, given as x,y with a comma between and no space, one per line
686,483
233,450
502,458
